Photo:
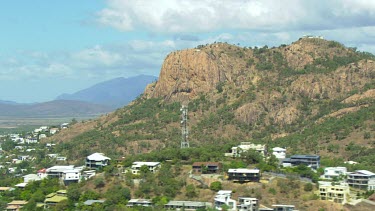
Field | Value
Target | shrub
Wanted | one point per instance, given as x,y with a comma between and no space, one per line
216,186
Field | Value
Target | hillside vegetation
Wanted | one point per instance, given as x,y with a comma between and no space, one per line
312,96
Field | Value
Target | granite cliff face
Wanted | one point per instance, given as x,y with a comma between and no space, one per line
279,79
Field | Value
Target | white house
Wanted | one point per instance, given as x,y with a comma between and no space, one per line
41,136
31,177
334,192
64,125
53,131
152,166
58,171
279,152
71,176
361,179
247,204
246,146
223,197
42,173
332,172
97,160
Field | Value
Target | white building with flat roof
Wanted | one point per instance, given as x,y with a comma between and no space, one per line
334,172
152,166
223,198
246,146
71,176
280,153
247,204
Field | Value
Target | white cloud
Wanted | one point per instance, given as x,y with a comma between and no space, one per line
176,16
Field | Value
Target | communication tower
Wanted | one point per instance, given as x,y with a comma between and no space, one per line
184,129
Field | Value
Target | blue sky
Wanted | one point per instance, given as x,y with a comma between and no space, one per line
50,47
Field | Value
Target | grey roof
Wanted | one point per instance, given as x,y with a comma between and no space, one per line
187,203
90,202
304,156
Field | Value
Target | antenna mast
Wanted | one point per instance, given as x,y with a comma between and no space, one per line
184,129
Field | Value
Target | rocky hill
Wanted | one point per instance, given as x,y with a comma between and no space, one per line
312,96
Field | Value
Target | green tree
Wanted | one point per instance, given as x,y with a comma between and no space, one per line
251,156
308,187
216,186
117,195
74,192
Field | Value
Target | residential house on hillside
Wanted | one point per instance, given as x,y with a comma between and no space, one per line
187,205
246,146
283,207
335,192
280,153
58,171
64,125
16,205
223,197
206,167
31,177
152,166
55,198
244,175
312,161
247,204
53,131
71,176
361,179
97,161
334,172
139,202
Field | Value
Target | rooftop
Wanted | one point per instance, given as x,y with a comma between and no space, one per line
90,202
243,171
139,164
17,202
187,203
56,199
98,157
206,163
304,156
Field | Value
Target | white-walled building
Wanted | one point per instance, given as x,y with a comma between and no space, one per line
97,160
58,171
247,204
361,179
279,152
246,146
332,172
223,197
71,176
335,192
31,177
152,166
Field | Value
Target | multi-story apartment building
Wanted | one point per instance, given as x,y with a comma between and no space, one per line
335,192
361,179
244,175
313,161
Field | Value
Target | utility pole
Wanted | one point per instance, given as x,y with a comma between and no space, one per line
184,129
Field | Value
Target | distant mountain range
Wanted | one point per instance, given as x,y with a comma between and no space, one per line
100,98
56,108
114,93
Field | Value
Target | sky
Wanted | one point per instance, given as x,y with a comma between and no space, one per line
51,47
